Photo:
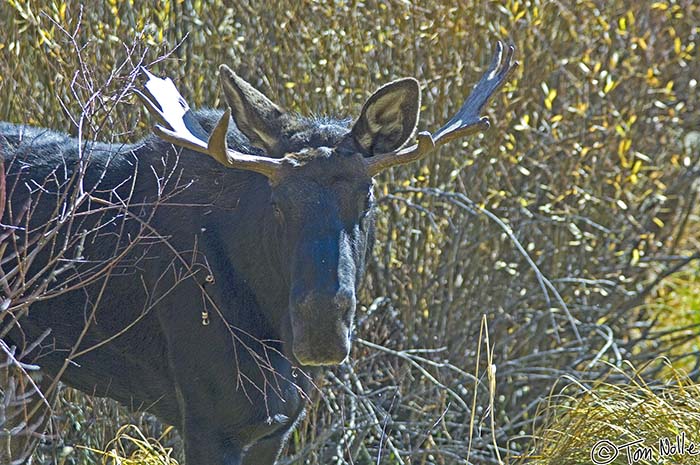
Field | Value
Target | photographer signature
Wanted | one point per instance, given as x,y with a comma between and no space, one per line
605,451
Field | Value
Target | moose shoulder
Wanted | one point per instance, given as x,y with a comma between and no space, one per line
245,271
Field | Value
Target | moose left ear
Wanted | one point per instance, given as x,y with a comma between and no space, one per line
389,117
255,115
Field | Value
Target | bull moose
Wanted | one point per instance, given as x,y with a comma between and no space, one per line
243,282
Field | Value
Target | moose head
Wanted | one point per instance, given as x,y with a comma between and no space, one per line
321,182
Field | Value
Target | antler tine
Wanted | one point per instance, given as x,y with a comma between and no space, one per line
468,116
179,127
466,121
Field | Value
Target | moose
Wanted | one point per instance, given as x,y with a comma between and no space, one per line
244,285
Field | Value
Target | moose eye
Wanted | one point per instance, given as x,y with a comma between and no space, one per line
279,216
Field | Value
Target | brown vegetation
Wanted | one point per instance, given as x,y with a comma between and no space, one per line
554,227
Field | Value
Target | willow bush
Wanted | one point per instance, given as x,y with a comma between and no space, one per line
552,229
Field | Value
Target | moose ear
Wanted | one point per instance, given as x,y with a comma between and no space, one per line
260,120
389,117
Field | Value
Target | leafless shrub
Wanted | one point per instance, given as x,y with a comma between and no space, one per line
42,251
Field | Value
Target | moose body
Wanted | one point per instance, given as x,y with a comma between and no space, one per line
245,274
201,378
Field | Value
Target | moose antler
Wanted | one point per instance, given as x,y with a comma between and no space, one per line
466,121
179,127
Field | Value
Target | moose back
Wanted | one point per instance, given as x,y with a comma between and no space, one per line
206,289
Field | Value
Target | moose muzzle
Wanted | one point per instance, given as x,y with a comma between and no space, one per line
321,327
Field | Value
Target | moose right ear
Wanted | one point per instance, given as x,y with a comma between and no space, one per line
389,117
260,120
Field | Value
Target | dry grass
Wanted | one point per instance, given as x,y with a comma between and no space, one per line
596,419
131,447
